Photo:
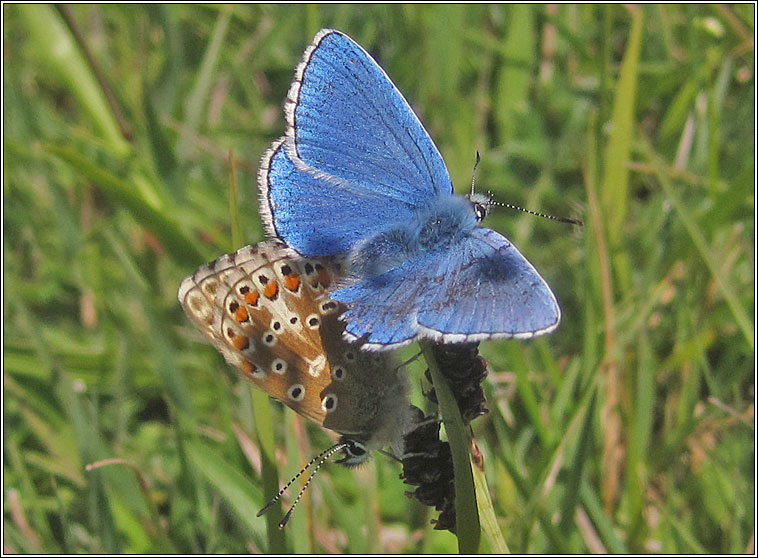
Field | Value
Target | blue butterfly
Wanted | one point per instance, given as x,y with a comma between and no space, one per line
358,176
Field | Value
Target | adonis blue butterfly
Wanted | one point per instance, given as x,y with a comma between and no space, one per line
358,176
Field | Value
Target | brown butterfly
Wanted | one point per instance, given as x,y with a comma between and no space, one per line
269,314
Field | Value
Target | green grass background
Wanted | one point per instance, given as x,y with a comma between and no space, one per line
630,429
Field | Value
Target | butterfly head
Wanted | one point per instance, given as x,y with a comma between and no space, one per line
482,204
356,453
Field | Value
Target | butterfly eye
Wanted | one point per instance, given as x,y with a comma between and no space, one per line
355,453
480,210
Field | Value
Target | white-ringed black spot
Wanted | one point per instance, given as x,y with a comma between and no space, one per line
296,392
338,372
279,366
329,403
328,306
269,339
313,321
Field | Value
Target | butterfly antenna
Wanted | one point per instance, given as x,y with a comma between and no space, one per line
576,222
473,173
321,459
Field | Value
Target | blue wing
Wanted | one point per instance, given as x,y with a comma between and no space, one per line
482,288
346,118
313,214
355,140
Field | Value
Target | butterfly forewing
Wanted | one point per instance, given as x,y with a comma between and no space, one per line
339,91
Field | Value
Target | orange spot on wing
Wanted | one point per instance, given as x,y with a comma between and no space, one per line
247,368
251,297
270,290
240,314
241,342
292,282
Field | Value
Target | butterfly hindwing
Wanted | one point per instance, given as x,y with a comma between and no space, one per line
487,290
247,299
484,289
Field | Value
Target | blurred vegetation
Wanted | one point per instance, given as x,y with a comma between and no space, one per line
630,429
